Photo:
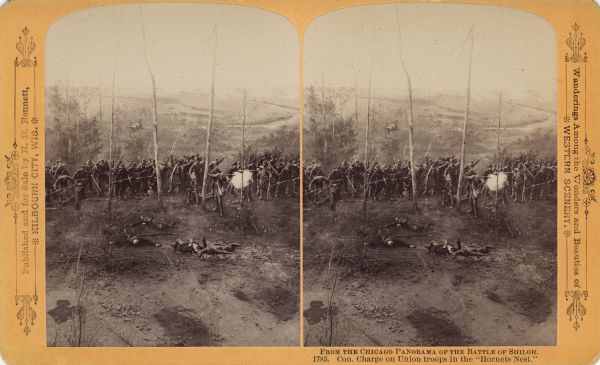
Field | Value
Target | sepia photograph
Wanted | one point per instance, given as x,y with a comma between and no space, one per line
429,177
172,177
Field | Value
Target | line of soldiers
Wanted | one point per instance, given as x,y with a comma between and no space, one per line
526,179
273,176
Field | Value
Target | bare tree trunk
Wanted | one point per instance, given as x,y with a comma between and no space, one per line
111,177
99,119
243,142
156,162
315,142
68,119
355,98
497,166
354,188
323,116
366,177
411,151
117,137
464,134
210,121
99,99
76,126
79,293
154,116
110,143
332,117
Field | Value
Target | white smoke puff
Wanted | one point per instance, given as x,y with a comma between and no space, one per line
240,178
496,182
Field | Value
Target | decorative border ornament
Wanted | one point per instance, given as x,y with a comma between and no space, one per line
576,310
25,46
576,42
589,180
12,182
26,315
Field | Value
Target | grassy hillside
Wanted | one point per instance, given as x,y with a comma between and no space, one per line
182,122
438,122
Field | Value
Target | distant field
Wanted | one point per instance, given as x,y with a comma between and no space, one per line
438,122
183,120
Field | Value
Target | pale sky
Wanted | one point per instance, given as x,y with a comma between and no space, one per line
257,49
514,52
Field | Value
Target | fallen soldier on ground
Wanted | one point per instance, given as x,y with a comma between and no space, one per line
472,250
201,248
154,222
397,240
440,248
409,224
136,239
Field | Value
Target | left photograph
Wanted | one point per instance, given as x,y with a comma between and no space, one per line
172,177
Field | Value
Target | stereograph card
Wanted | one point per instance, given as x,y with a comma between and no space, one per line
299,182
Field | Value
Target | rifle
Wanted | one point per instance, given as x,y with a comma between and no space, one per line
95,182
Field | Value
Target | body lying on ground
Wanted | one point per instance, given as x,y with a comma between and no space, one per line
201,248
471,250
440,248
157,223
445,248
409,224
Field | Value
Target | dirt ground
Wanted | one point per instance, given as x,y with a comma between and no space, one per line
151,296
407,297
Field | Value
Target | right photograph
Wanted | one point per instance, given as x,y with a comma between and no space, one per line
429,177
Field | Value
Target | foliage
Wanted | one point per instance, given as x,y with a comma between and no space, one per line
74,139
530,143
284,140
331,140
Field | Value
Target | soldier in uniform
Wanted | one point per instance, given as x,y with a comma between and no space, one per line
82,177
518,182
101,171
356,175
196,173
176,178
285,179
538,182
121,180
263,181
451,178
388,180
345,170
219,183
272,174
135,176
376,182
295,176
336,176
474,186
165,173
